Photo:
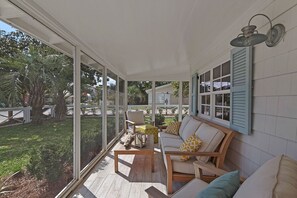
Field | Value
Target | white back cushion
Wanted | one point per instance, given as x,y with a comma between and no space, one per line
275,178
190,128
211,138
185,121
136,116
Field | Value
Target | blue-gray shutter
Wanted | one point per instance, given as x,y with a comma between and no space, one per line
241,90
194,94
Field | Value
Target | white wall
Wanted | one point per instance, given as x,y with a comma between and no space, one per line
274,94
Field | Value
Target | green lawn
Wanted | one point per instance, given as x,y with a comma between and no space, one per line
168,120
16,142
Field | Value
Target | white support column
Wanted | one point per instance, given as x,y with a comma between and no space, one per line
126,96
104,110
125,102
190,95
180,101
153,100
117,105
77,111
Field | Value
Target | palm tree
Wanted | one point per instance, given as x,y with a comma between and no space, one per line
61,78
135,96
31,78
31,68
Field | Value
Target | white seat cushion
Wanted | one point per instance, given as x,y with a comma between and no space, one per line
136,116
182,166
190,128
171,142
191,189
177,164
185,121
211,138
167,135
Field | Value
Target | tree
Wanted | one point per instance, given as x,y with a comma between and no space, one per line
135,96
61,76
35,80
10,46
175,86
136,92
30,67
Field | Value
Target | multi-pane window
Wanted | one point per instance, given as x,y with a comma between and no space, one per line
205,105
205,89
221,90
221,77
215,92
205,82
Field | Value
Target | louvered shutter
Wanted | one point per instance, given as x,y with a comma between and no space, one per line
194,94
241,89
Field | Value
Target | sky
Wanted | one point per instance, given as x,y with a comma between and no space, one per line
6,27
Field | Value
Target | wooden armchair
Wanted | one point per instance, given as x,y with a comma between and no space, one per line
192,188
133,118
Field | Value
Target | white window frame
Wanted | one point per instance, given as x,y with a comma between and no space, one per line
212,97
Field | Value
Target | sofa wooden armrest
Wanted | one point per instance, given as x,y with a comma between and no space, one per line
199,167
155,193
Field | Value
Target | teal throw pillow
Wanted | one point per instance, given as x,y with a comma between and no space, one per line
224,186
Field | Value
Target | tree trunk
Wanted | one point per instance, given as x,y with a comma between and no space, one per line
61,108
37,100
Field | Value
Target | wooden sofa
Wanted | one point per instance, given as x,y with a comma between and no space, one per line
275,178
216,140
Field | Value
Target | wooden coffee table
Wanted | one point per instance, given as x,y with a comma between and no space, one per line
148,149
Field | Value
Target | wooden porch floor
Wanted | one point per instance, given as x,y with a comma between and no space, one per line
133,178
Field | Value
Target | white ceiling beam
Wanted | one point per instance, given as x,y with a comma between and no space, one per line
10,12
23,25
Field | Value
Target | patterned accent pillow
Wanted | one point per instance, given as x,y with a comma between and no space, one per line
173,128
192,144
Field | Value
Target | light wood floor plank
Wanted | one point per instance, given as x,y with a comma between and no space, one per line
133,178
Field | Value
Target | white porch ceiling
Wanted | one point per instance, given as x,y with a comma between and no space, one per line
146,39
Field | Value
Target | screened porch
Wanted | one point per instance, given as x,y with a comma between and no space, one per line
70,70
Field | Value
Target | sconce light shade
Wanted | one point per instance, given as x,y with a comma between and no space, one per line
250,35
243,41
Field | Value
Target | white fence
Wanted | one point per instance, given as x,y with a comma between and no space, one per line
22,114
19,114
163,109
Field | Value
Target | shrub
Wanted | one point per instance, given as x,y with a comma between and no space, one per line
90,145
160,109
46,162
159,119
147,110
